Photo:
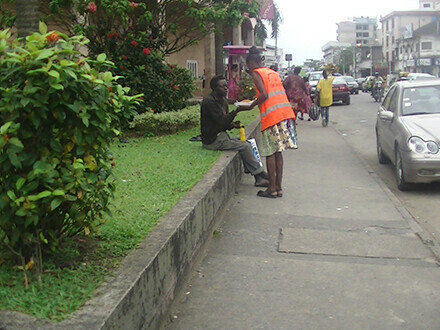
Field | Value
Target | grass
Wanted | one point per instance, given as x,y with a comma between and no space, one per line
152,175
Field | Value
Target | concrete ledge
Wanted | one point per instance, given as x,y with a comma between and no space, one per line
140,293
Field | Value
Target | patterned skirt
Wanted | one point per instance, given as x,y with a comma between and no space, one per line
278,138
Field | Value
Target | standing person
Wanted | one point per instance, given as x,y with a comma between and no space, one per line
324,96
297,93
233,88
215,119
277,121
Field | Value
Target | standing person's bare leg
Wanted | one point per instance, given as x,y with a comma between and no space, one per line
271,172
279,163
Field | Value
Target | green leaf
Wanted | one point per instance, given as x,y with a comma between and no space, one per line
57,86
20,182
58,192
16,142
42,28
21,213
5,127
101,58
55,203
43,239
45,53
11,195
44,194
54,74
85,121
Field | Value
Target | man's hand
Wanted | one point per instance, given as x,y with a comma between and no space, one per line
236,124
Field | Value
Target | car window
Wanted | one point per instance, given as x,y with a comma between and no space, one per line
315,76
349,79
338,81
387,101
421,100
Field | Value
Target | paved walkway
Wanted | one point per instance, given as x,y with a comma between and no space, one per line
333,253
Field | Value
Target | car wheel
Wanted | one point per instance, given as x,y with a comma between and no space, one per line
380,155
401,182
347,100
357,91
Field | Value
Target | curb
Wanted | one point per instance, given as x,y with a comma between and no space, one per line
141,291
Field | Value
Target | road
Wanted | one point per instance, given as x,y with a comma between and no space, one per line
356,123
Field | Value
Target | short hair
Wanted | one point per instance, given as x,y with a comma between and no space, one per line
254,55
214,81
297,70
324,74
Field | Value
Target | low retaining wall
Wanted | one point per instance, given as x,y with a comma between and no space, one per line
140,293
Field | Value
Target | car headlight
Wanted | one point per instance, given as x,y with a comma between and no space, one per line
421,146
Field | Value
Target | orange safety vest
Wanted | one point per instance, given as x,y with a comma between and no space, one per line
277,107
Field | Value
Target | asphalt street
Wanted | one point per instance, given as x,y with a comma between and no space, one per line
338,251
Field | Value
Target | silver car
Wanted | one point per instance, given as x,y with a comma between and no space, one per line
408,131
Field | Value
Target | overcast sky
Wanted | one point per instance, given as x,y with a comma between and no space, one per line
310,24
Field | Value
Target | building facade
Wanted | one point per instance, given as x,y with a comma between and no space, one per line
360,31
399,26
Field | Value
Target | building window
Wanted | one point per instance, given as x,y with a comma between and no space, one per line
426,5
192,67
366,34
426,45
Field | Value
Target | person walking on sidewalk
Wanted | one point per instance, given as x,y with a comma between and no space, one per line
324,96
277,121
215,119
297,93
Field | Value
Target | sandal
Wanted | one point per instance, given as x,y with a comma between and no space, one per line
267,193
279,193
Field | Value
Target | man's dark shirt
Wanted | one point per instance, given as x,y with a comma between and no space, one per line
215,117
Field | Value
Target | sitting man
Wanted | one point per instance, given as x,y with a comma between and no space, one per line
216,119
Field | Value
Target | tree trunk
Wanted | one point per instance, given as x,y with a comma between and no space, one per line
219,65
27,20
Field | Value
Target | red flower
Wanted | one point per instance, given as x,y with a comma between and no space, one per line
92,7
53,37
115,35
171,66
248,1
122,67
146,51
124,57
152,110
133,4
109,36
134,43
175,87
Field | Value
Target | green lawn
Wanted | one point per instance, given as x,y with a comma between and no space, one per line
151,175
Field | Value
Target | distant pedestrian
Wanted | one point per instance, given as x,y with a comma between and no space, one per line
233,87
277,121
297,93
324,96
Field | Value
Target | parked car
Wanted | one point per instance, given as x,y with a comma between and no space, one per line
341,92
313,79
352,84
408,131
420,76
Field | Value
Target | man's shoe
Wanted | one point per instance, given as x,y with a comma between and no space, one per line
261,183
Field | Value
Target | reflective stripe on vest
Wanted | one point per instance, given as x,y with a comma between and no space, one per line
277,107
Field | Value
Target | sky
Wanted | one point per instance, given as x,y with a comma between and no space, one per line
310,24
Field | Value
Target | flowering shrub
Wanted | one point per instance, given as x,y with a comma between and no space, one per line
143,69
58,113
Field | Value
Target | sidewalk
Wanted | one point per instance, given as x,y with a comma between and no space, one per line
333,253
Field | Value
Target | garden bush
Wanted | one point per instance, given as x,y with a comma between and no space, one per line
153,124
58,113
